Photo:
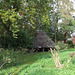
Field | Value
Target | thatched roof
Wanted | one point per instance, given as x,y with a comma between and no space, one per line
43,41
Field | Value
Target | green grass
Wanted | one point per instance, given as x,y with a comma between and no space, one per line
39,64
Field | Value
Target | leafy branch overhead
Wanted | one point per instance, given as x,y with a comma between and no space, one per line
9,20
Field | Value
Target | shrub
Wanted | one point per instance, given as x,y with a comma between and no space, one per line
6,56
70,43
6,41
24,39
61,46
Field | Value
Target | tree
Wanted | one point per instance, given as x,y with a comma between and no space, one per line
8,20
36,13
65,9
9,4
24,15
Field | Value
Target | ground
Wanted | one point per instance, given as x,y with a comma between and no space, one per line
40,63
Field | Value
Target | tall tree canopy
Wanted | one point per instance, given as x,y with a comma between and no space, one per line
18,16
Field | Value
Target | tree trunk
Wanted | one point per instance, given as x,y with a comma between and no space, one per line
64,37
54,22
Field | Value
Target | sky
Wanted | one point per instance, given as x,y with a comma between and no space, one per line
73,4
73,7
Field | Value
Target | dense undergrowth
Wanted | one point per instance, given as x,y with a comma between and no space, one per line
38,64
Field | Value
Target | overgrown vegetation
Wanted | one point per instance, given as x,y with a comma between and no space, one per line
38,63
19,22
61,46
70,43
64,46
23,39
6,56
20,19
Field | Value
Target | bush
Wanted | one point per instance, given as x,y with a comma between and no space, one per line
70,43
24,39
6,41
6,56
61,46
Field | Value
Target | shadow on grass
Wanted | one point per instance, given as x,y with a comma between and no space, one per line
23,61
29,58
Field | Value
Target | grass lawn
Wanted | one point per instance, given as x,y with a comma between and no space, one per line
38,64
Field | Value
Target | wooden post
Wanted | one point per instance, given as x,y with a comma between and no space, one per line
43,49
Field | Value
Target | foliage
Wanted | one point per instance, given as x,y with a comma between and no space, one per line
6,56
38,63
64,14
23,15
70,43
61,46
36,13
9,4
8,19
6,42
17,15
25,39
